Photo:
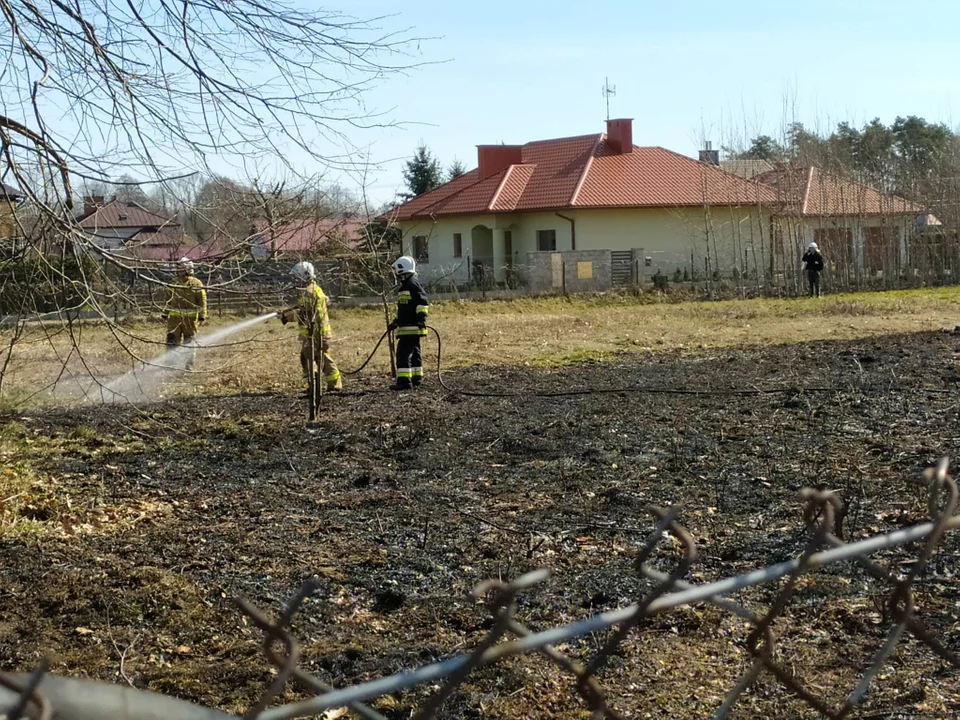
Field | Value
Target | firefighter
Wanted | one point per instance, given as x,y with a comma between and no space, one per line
186,308
311,315
813,261
410,324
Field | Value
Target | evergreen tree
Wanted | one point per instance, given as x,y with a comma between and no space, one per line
456,169
422,173
763,147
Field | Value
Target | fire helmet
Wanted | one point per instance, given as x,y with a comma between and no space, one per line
405,265
303,271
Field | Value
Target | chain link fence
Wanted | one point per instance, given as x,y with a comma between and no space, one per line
41,696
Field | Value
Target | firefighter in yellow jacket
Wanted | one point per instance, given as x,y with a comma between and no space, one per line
314,324
186,308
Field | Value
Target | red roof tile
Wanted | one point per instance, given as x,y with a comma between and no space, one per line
307,235
820,194
560,166
471,199
119,214
417,204
583,172
656,177
512,187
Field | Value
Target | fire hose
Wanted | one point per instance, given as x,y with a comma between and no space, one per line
649,389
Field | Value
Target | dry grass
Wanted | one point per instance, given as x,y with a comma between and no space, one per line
537,332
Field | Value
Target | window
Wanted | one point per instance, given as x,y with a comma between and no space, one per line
457,245
421,249
881,247
546,240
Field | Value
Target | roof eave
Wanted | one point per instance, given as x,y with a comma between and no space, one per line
611,206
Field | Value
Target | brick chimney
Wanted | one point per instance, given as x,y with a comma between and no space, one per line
92,203
708,155
620,135
491,159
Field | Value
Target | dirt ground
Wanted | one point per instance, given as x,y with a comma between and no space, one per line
133,527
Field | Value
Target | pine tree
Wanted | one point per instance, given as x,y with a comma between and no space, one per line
422,173
456,169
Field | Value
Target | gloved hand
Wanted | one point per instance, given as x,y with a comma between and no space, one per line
165,317
393,325
202,320
422,324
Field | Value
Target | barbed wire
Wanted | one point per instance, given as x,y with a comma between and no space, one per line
669,591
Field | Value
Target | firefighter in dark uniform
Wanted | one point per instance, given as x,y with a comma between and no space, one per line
410,324
813,261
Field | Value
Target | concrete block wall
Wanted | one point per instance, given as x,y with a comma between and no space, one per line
572,271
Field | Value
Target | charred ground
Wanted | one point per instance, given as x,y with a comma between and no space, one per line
138,524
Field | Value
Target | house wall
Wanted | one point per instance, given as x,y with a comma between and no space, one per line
685,239
843,257
112,237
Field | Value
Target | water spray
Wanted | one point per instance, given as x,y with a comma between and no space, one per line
140,384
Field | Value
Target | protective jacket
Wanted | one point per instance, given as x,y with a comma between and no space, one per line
412,308
312,312
186,298
813,260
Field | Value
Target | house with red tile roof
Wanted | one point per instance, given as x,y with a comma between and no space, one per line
859,229
591,192
130,229
600,192
306,238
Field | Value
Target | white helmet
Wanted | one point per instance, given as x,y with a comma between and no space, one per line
303,271
185,266
404,266
812,246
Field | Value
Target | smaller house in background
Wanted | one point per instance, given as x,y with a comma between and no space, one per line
130,229
859,229
305,239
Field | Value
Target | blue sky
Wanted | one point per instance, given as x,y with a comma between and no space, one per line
684,70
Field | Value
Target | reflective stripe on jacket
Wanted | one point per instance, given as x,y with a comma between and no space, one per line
412,307
187,298
312,311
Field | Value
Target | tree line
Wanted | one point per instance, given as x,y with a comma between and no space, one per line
910,157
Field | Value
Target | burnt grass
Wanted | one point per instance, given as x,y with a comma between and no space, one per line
401,504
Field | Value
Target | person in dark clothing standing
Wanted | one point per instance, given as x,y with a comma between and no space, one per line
410,324
814,266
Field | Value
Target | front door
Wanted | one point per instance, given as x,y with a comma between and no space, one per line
508,247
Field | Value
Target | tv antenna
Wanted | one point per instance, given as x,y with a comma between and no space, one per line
608,91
